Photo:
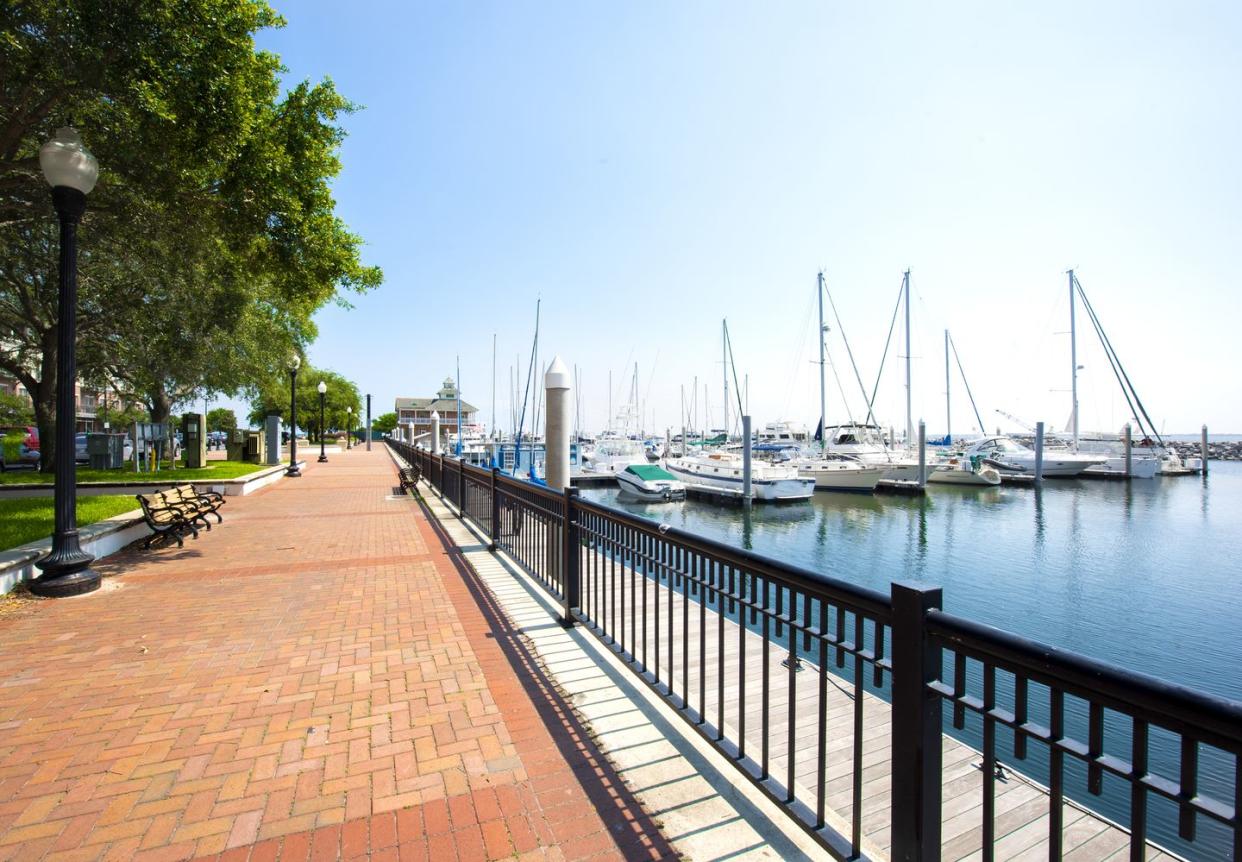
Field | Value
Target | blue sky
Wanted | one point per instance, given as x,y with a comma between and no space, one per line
648,169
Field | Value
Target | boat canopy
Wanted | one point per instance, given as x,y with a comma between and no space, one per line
650,473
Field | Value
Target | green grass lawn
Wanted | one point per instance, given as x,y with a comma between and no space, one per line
216,470
31,518
11,442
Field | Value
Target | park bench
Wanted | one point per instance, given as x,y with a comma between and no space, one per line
165,519
409,477
195,504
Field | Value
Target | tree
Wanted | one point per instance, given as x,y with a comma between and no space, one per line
14,410
210,240
384,423
341,394
221,419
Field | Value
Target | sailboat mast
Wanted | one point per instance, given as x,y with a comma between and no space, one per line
724,367
823,392
493,384
948,412
1073,364
909,407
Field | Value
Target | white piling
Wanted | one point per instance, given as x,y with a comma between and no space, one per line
746,444
922,454
1203,448
435,432
1129,441
1039,453
557,422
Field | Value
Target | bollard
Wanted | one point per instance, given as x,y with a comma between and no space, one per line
557,425
1203,449
435,432
1039,452
746,467
922,454
1129,448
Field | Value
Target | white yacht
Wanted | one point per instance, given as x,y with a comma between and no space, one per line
650,483
1008,456
866,444
783,433
1144,464
721,473
839,474
614,454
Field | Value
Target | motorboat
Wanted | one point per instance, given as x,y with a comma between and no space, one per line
783,433
614,454
1009,456
866,444
651,483
1144,463
840,474
959,470
721,473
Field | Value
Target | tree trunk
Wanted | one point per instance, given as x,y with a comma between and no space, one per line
161,406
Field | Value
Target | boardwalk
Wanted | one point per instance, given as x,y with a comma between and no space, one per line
313,678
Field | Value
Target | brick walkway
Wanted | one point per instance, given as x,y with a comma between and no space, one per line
317,678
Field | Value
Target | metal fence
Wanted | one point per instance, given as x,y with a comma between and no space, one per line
833,699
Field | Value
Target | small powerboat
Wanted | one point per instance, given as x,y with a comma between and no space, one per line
964,471
650,483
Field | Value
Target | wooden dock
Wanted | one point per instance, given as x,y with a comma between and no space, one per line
1021,805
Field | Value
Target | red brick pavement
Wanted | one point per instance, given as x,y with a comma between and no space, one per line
320,677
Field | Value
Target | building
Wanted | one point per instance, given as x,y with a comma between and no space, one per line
416,412
89,401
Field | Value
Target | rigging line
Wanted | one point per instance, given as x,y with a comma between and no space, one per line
837,377
1119,372
962,371
892,326
517,449
849,352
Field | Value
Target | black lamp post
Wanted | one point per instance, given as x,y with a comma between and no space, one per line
323,456
71,171
295,362
349,428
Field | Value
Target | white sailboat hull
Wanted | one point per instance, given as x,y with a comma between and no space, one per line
956,474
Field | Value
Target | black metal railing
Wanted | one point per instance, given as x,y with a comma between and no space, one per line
833,699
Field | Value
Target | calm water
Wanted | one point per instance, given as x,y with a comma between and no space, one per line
1144,574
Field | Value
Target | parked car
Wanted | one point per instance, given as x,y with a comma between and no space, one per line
28,451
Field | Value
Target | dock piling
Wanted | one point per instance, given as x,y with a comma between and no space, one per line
1039,453
1203,449
922,454
557,424
746,444
1129,438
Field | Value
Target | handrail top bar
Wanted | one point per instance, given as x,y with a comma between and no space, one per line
1134,691
871,602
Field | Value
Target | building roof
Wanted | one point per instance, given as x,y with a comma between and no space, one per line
445,399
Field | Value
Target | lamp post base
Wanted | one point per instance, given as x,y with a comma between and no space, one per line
323,459
293,471
66,573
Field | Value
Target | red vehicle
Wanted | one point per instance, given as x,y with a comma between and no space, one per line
28,452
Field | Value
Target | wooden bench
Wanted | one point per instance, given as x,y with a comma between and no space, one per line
409,477
195,504
165,520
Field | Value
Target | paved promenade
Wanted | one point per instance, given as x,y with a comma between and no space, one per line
313,679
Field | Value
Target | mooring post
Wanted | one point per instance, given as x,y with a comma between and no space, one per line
1129,439
557,425
1203,448
922,454
746,489
915,733
1039,453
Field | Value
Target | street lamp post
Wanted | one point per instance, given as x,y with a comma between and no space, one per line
71,171
323,389
295,362
349,428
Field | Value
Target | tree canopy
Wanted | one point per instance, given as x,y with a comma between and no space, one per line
221,419
384,423
341,394
211,238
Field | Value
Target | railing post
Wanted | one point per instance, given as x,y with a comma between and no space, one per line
916,734
571,583
461,488
493,529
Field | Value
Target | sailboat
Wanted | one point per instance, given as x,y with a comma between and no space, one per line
959,469
1151,447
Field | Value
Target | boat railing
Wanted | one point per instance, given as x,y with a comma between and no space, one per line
751,651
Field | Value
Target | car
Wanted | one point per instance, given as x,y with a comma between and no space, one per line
28,451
